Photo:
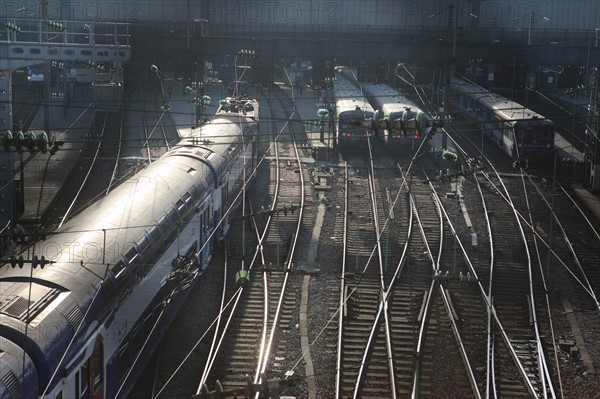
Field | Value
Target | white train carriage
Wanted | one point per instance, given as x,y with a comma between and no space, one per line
399,120
519,131
84,326
354,115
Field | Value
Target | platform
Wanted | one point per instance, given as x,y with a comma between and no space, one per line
45,174
590,200
307,101
182,111
565,150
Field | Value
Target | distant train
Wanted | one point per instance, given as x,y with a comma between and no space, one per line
397,119
519,131
354,114
85,325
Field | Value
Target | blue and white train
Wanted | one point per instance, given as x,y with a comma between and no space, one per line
85,325
519,131
354,114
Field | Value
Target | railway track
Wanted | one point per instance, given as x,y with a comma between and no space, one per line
458,318
578,236
254,346
450,311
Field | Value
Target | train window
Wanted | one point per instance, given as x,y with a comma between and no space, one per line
97,366
132,256
164,225
107,291
187,197
134,259
120,273
195,193
77,385
85,379
118,270
225,194
59,395
506,129
172,215
155,235
143,245
179,204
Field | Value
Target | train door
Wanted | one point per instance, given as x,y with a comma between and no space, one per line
224,206
90,378
203,231
97,370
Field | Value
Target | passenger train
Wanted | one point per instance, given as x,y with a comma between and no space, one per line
85,325
354,114
397,119
519,131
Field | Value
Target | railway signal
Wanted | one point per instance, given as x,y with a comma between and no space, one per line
30,141
93,65
242,277
12,27
449,155
322,113
57,26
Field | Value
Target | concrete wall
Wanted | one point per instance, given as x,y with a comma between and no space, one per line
507,14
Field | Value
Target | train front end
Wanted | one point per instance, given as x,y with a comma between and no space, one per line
354,129
534,137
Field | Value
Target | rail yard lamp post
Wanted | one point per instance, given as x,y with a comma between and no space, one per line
189,91
247,55
200,99
322,113
530,22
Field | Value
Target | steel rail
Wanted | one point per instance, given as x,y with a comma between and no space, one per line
531,297
427,308
571,249
383,304
448,307
213,345
537,249
382,299
489,380
292,252
503,333
580,211
238,295
342,302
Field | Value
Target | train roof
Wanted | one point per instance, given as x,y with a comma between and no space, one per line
59,294
503,107
388,99
348,97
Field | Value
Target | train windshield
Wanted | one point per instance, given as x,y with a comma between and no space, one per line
395,124
355,121
540,134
